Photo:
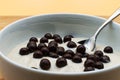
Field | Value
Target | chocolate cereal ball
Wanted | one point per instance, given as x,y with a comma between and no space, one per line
108,49
45,64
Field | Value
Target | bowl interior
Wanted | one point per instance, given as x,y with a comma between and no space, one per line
75,24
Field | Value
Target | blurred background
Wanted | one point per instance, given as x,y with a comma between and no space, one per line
35,7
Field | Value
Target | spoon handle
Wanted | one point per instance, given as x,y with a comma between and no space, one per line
114,15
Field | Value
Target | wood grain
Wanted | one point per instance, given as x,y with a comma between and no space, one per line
5,20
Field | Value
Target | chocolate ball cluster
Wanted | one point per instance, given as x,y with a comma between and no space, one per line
96,60
48,47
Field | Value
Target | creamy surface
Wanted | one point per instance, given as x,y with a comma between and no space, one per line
29,61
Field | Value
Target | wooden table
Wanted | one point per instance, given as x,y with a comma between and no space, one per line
5,20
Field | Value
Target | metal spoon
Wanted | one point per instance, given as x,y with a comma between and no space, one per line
90,43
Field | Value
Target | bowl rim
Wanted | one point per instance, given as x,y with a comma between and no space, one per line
51,72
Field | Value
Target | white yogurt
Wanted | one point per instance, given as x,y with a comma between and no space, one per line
29,61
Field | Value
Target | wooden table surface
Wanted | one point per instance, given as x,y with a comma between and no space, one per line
5,20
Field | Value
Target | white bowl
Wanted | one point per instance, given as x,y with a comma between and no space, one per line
78,25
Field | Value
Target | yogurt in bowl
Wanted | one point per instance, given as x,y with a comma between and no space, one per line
16,35
33,59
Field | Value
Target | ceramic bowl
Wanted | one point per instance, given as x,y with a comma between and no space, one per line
79,25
